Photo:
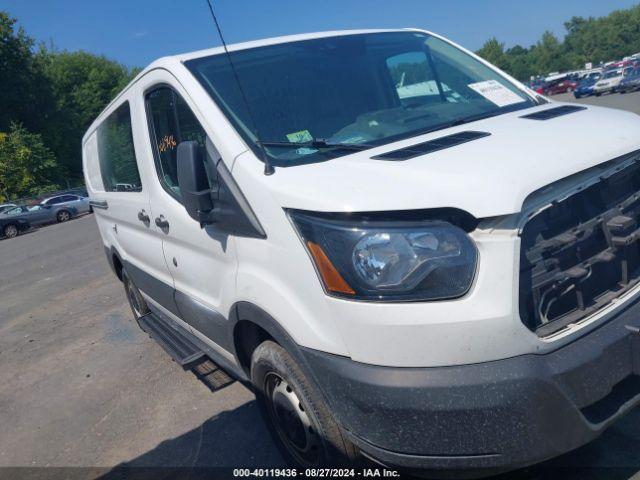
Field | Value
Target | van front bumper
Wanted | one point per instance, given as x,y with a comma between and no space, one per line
491,416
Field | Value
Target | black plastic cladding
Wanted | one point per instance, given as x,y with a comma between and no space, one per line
581,253
553,112
431,146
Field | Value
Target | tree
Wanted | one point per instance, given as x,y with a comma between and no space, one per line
26,97
27,166
493,52
519,62
591,39
82,85
547,54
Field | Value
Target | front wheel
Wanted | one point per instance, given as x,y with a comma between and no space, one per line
63,216
10,231
295,413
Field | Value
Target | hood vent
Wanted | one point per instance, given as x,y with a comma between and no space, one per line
554,112
431,146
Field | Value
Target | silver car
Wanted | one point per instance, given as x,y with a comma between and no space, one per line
81,204
41,214
6,206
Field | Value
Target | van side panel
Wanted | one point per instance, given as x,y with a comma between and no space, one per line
120,221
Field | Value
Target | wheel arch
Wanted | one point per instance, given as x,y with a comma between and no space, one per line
115,261
249,326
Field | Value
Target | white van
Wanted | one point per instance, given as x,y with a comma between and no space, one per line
408,254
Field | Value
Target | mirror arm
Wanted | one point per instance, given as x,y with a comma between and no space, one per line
206,217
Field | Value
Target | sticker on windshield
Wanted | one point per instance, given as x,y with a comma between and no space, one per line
496,93
300,137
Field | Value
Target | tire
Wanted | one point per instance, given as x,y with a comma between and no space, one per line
597,94
136,301
63,216
295,413
10,231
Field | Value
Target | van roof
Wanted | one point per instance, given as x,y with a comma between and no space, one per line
168,60
277,40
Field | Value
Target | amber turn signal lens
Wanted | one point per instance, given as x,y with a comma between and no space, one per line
331,277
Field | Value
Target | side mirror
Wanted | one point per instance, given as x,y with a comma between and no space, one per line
194,183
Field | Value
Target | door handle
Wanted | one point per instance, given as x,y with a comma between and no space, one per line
143,217
102,204
162,223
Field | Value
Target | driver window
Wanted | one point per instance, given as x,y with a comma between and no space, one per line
171,122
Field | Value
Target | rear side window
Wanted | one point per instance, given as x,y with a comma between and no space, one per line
116,154
171,122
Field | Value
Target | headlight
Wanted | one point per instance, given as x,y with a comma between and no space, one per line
391,260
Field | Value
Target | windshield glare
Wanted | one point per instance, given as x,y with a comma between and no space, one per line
367,89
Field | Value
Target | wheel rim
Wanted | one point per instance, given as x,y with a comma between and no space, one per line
64,216
291,421
11,231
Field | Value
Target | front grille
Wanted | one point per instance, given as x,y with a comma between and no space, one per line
581,253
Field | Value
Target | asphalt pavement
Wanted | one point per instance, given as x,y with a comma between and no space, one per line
82,386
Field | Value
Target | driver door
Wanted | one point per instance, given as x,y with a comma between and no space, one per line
202,261
38,214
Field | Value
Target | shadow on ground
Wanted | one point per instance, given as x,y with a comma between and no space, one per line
238,438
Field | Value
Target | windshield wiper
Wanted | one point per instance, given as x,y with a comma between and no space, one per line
317,143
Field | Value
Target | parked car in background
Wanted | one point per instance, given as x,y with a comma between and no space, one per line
561,86
585,87
630,82
12,225
81,204
538,86
608,83
6,206
41,214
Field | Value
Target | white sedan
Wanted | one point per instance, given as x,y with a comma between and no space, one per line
608,83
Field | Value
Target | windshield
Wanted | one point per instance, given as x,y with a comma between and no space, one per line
612,74
13,211
360,89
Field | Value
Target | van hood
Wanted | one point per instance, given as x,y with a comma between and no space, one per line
486,177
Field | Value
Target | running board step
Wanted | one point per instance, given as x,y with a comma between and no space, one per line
183,351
